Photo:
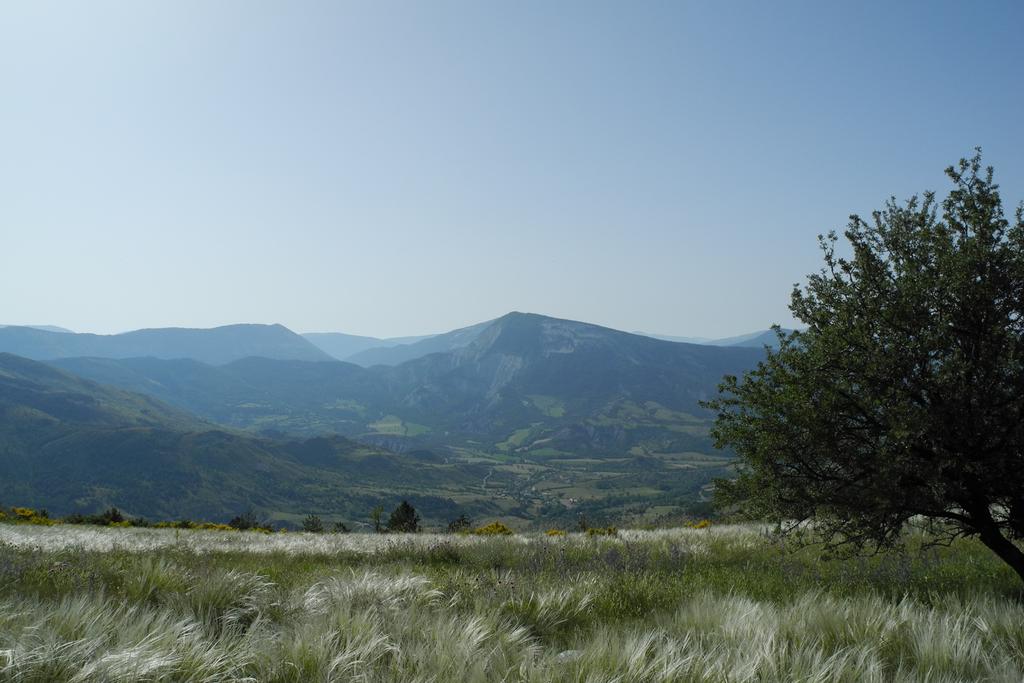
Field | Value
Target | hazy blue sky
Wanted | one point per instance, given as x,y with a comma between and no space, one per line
395,168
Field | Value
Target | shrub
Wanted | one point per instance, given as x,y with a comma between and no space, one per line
493,529
247,521
112,516
341,528
30,516
460,524
313,524
598,531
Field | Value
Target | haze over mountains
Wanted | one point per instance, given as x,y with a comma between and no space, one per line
526,416
343,346
219,345
216,345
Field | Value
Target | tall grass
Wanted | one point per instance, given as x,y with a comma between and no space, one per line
723,604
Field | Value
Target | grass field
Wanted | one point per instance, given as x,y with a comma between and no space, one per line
723,604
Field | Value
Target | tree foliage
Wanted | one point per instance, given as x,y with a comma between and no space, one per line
313,524
903,399
246,521
404,519
460,523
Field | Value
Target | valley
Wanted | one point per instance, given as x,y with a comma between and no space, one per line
526,418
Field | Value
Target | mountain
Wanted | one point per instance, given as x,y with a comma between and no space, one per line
216,346
259,394
522,383
536,417
753,340
343,346
46,328
549,384
668,337
400,353
71,445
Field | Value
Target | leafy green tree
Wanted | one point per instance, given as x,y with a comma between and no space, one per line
404,519
313,524
903,399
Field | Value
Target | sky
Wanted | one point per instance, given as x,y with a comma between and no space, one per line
396,168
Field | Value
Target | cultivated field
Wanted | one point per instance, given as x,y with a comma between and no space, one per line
721,604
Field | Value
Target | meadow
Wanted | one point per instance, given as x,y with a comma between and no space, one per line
727,603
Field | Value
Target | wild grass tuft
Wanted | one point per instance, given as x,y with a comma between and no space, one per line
714,604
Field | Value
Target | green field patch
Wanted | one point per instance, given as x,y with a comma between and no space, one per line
347,406
392,424
515,440
575,461
549,405
547,453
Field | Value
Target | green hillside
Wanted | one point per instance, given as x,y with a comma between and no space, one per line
70,445
526,384
546,418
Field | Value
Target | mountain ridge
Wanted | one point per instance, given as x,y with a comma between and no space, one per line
215,345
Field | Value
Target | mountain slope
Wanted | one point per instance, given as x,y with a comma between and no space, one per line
537,417
343,346
526,378
46,328
216,346
264,395
754,340
671,338
569,382
68,444
401,353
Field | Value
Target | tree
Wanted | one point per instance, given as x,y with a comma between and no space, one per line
404,519
246,521
375,517
112,516
903,399
313,524
460,523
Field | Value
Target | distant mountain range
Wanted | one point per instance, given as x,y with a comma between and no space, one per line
525,416
369,351
400,353
758,339
219,345
45,328
520,382
216,345
343,346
